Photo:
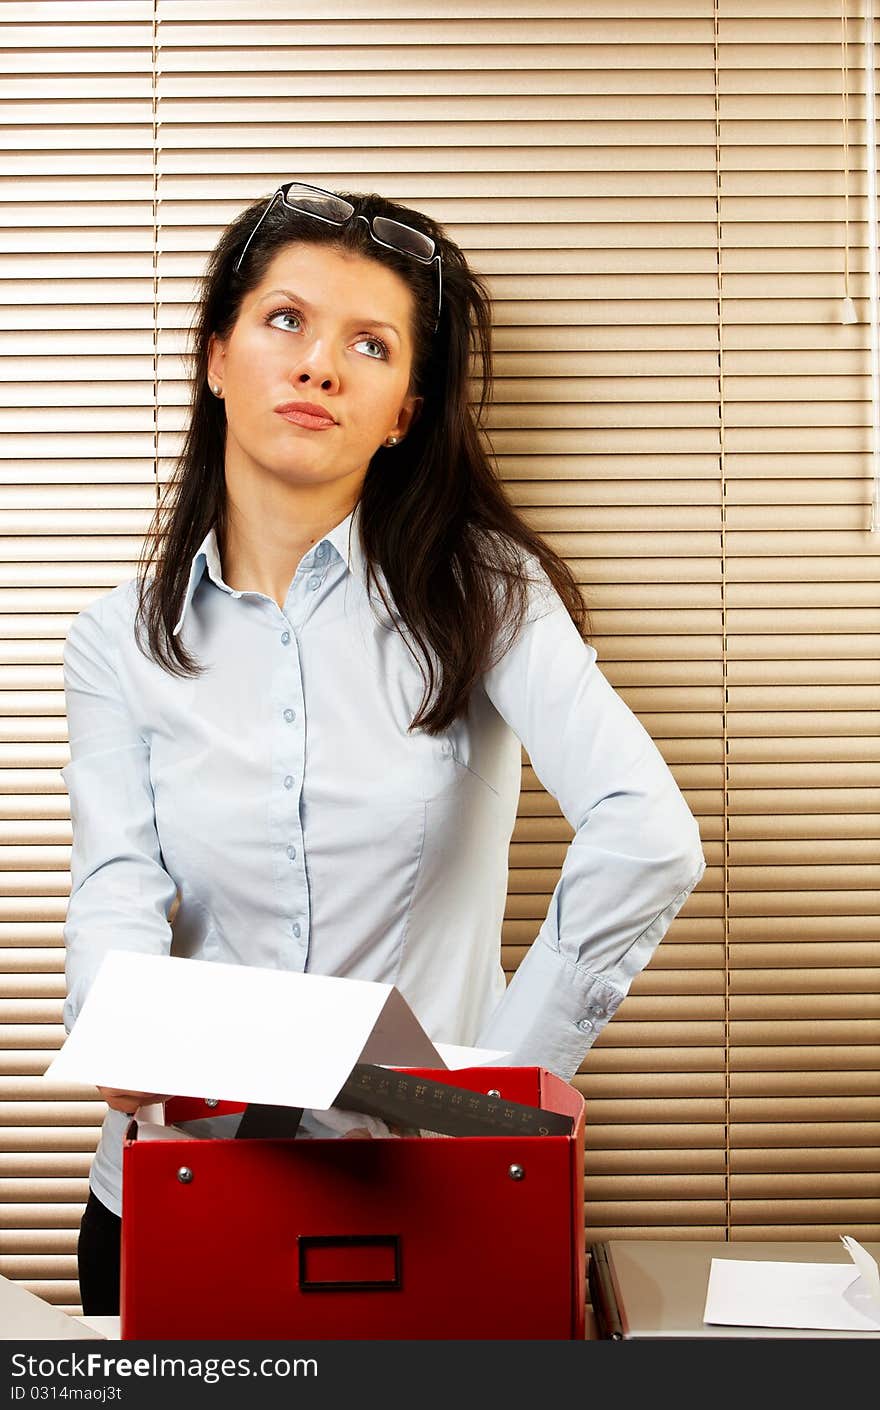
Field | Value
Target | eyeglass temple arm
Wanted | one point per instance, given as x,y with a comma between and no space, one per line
237,266
439,292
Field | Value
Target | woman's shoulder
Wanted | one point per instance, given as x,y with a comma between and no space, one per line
110,617
511,564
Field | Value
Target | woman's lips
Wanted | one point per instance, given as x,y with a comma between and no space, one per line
312,418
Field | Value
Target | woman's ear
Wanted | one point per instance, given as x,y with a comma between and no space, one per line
216,361
408,416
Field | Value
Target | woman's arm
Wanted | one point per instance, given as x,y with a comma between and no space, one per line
634,859
121,894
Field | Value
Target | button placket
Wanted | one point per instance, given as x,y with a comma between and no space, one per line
286,835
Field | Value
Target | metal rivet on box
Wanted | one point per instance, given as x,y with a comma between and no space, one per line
493,1092
516,1172
212,1101
185,1175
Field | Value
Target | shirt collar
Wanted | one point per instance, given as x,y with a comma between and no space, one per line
344,538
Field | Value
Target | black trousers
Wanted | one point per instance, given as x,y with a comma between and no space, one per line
99,1253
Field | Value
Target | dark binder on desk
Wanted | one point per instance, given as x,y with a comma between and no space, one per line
415,1102
602,1295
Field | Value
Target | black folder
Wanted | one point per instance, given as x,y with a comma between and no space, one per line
415,1103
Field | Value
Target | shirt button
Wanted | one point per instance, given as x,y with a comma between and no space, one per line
314,582
289,715
296,929
288,782
291,852
321,551
585,1025
285,638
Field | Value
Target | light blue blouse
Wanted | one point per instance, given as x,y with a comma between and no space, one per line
281,797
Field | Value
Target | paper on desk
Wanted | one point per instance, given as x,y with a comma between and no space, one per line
192,1028
821,1296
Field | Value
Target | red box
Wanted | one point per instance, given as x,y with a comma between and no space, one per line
387,1239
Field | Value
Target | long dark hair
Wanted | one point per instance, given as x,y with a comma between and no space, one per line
435,523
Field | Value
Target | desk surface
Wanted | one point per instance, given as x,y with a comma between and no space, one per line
658,1286
106,1326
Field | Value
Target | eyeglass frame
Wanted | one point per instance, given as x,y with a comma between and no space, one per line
338,224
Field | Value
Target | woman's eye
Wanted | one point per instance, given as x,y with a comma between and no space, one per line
374,347
285,313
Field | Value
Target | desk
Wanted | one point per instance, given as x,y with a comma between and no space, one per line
107,1327
656,1288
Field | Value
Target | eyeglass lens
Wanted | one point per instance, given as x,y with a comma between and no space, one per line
323,204
403,237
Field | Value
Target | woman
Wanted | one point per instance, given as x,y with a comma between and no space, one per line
304,720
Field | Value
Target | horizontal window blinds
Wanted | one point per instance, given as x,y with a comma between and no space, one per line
77,484
802,633
659,203
633,499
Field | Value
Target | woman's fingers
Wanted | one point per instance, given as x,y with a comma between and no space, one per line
128,1101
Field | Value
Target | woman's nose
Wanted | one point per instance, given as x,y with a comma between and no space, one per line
316,368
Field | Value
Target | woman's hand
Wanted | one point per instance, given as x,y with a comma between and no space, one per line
129,1101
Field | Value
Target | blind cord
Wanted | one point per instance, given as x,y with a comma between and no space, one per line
155,203
848,311
722,466
871,164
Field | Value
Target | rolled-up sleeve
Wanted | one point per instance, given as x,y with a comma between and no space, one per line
635,857
121,894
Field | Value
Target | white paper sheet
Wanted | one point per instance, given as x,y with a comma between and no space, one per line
191,1028
455,1056
817,1296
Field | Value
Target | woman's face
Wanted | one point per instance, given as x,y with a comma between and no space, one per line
324,329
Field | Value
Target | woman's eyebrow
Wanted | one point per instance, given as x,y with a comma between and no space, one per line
298,299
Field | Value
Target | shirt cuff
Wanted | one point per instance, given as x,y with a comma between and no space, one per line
551,1013
555,1008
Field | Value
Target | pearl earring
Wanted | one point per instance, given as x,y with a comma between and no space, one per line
392,440
215,389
